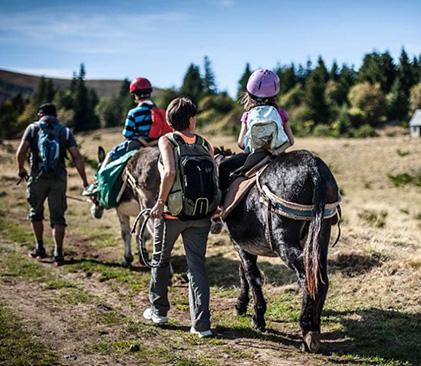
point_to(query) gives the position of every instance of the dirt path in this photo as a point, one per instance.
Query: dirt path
(71, 327)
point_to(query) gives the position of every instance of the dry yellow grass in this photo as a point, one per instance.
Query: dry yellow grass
(375, 268)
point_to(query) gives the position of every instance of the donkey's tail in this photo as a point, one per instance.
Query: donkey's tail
(312, 248)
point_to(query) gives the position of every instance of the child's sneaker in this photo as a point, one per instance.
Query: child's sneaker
(58, 260)
(201, 334)
(149, 315)
(90, 190)
(38, 253)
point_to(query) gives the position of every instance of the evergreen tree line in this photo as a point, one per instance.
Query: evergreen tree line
(339, 101)
(75, 107)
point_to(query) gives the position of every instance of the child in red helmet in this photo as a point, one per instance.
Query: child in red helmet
(144, 125)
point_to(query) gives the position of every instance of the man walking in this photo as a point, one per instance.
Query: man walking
(48, 142)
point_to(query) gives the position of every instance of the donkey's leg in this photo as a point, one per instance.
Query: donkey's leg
(243, 299)
(254, 279)
(127, 237)
(312, 308)
(292, 255)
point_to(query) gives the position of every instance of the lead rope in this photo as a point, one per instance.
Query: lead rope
(141, 242)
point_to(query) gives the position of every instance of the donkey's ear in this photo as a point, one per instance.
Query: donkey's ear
(101, 154)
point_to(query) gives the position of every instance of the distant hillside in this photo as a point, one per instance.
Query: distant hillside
(13, 83)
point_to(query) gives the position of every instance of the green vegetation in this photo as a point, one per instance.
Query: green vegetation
(405, 178)
(374, 218)
(339, 101)
(18, 347)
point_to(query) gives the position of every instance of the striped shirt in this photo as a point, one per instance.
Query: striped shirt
(139, 121)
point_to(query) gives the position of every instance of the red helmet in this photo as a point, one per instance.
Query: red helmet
(141, 85)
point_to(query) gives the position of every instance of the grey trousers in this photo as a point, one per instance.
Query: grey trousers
(195, 235)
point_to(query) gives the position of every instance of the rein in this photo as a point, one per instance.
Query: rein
(142, 242)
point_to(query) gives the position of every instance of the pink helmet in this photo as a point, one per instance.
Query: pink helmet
(263, 83)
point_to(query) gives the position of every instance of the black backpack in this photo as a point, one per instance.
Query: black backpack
(195, 193)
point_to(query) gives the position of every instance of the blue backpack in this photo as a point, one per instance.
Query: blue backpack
(49, 149)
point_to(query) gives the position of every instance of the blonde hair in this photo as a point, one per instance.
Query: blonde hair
(248, 102)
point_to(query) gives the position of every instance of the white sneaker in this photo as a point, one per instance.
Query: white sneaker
(149, 315)
(203, 334)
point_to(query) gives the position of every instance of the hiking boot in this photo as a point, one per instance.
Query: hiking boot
(149, 315)
(38, 253)
(58, 260)
(90, 190)
(201, 334)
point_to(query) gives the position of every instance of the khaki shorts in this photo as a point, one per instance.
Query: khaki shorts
(53, 189)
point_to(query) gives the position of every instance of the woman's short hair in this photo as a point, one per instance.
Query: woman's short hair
(179, 112)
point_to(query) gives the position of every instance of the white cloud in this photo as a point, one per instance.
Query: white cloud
(225, 3)
(47, 72)
(85, 32)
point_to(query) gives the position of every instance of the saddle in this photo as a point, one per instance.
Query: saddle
(243, 179)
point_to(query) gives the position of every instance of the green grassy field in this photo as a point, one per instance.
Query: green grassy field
(89, 311)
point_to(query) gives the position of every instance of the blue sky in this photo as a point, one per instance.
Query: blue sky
(159, 39)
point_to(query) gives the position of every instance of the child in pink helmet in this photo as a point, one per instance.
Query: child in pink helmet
(262, 89)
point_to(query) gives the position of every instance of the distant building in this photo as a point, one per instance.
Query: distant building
(415, 124)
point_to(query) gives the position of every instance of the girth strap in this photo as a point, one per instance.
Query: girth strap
(293, 210)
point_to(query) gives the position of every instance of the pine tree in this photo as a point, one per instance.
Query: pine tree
(370, 69)
(209, 84)
(405, 75)
(84, 117)
(192, 84)
(125, 100)
(9, 114)
(242, 83)
(397, 102)
(49, 91)
(388, 70)
(287, 77)
(334, 72)
(315, 94)
(347, 78)
(39, 96)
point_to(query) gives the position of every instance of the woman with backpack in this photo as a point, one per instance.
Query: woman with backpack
(188, 194)
(261, 116)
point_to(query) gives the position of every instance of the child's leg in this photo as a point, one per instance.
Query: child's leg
(228, 166)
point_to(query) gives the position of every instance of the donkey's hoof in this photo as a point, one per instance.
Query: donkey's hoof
(311, 342)
(126, 263)
(259, 324)
(240, 310)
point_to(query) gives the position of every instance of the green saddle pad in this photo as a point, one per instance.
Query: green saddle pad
(109, 180)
